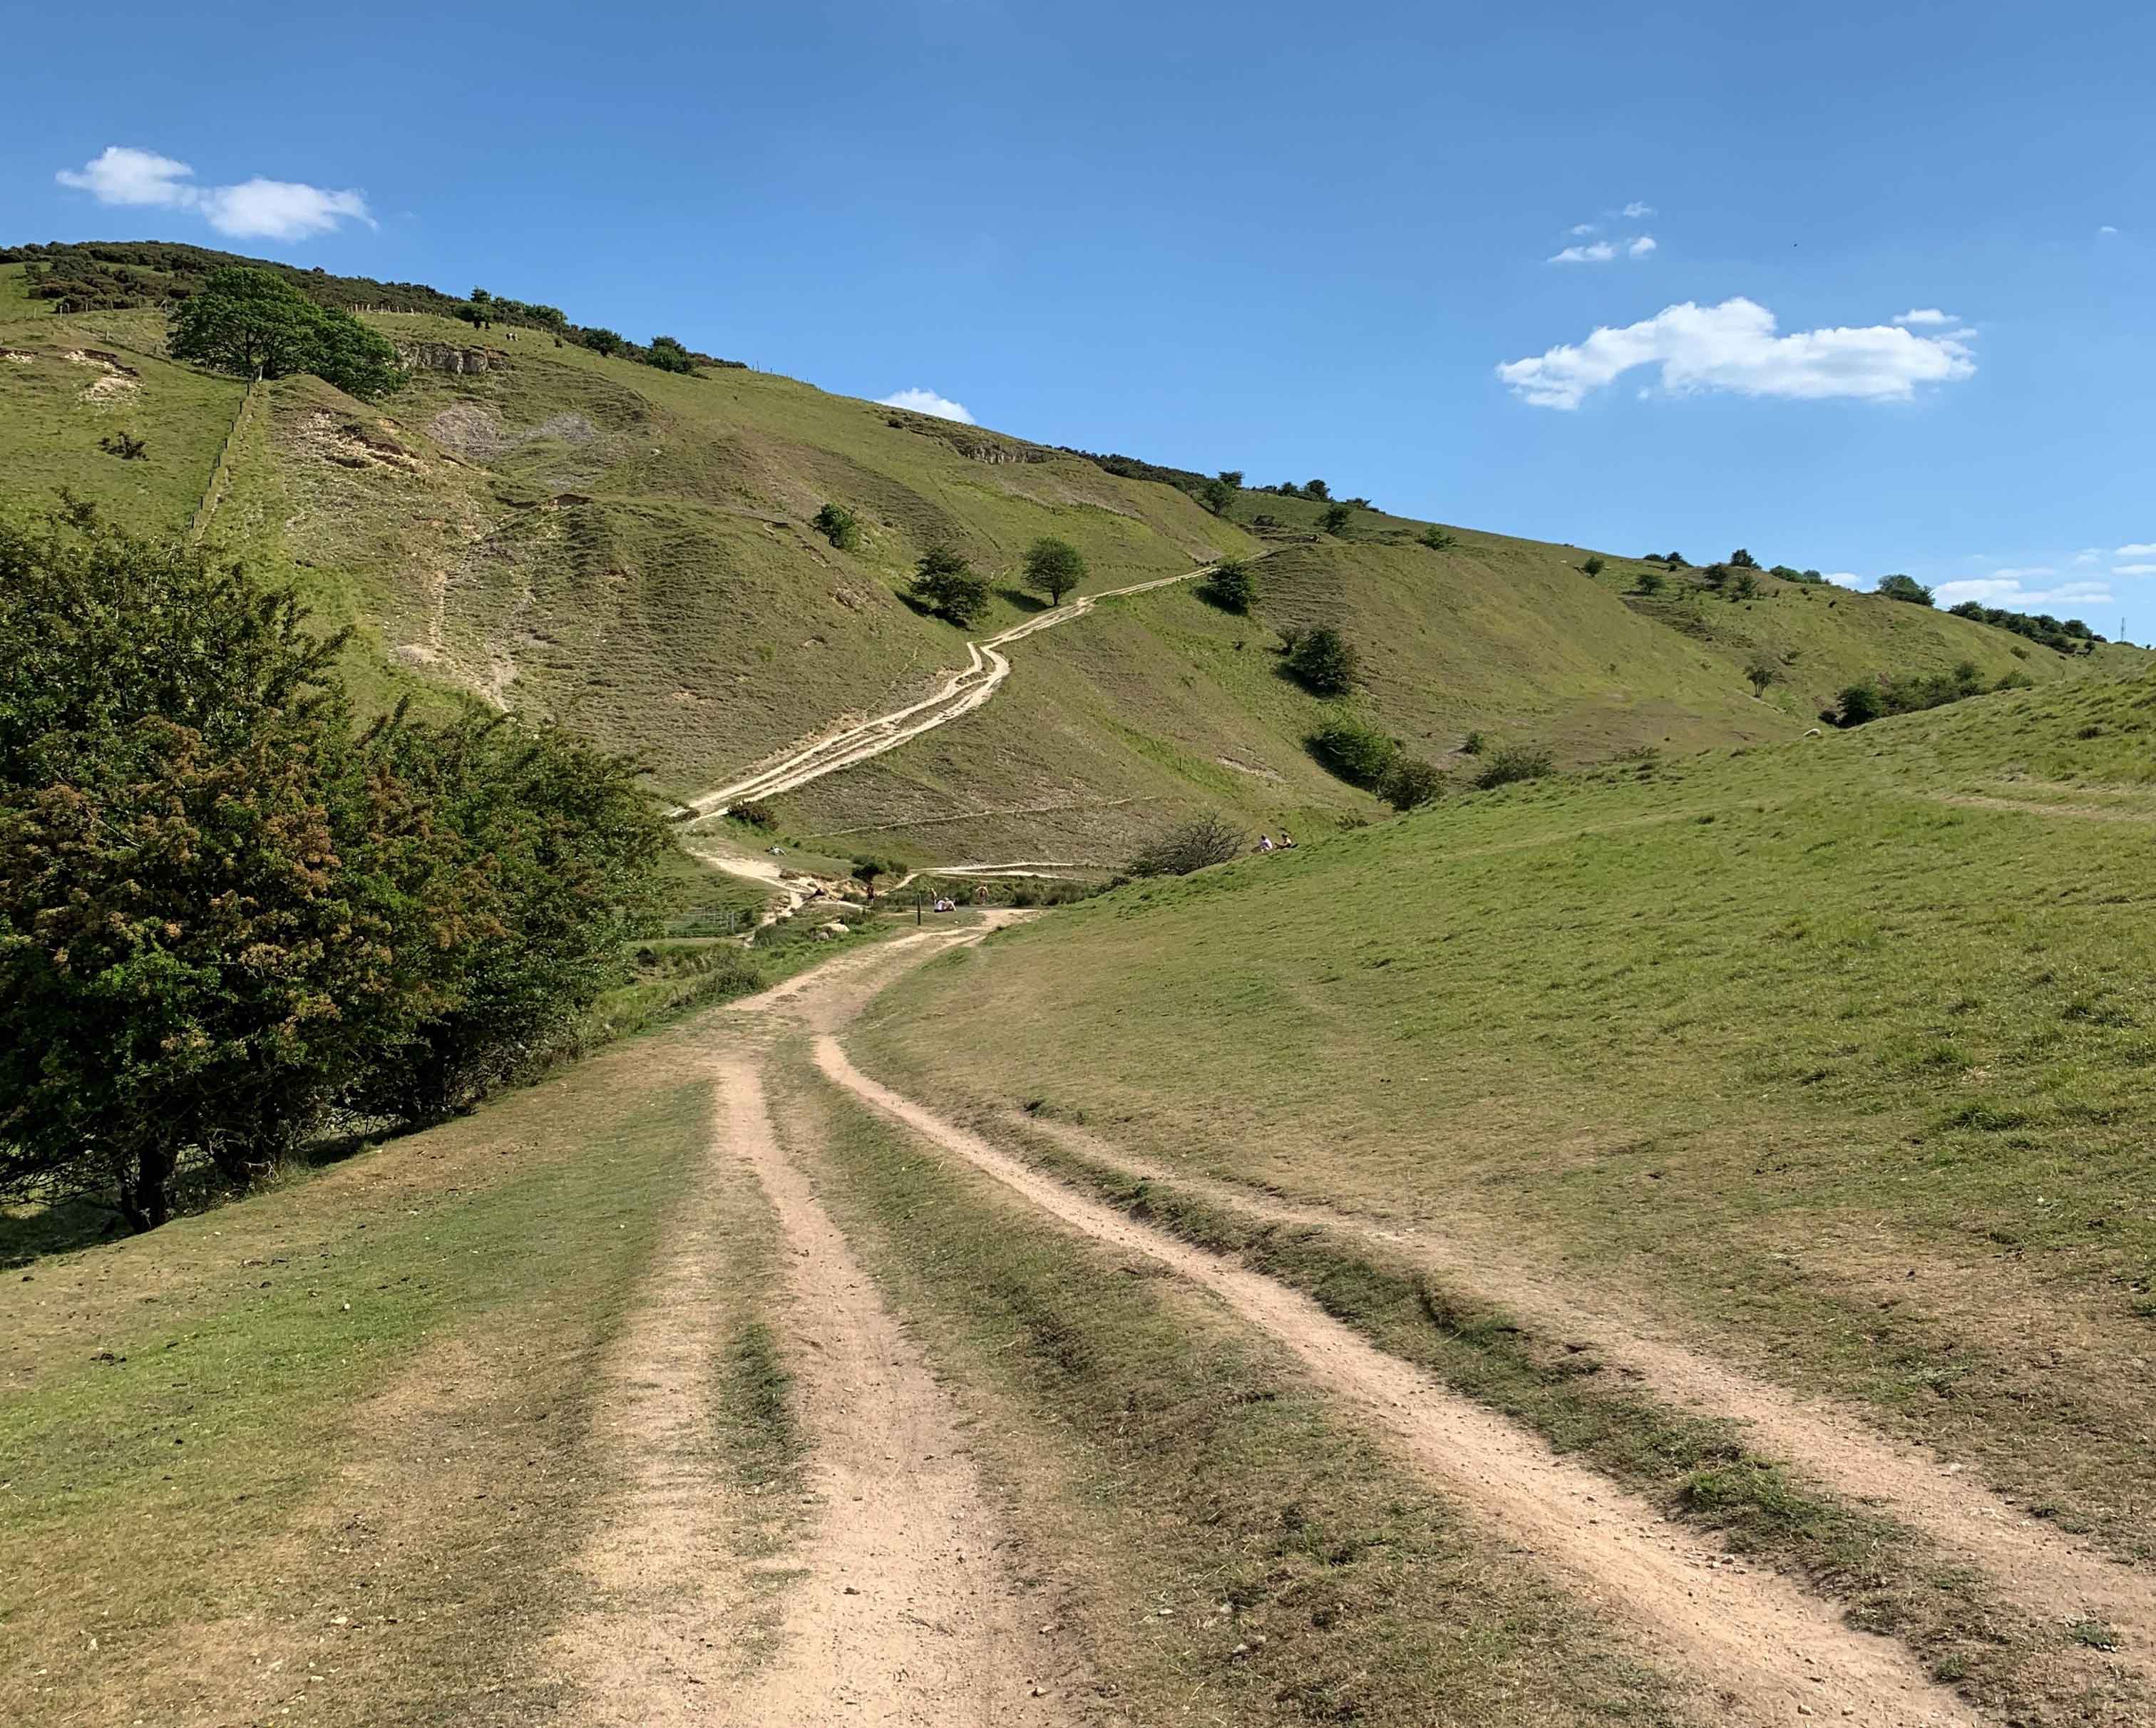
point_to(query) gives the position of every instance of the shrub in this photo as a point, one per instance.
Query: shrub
(669, 355)
(1233, 585)
(1359, 754)
(840, 526)
(1437, 540)
(1054, 567)
(1317, 489)
(253, 322)
(1472, 744)
(1858, 703)
(1412, 783)
(1209, 840)
(1742, 560)
(602, 340)
(1763, 670)
(126, 446)
(944, 582)
(1325, 661)
(223, 909)
(1903, 587)
(1335, 518)
(756, 812)
(870, 868)
(1652, 581)
(1593, 566)
(1744, 586)
(1515, 762)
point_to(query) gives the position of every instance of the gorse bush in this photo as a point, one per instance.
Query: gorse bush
(840, 526)
(1233, 586)
(1514, 762)
(225, 909)
(1324, 660)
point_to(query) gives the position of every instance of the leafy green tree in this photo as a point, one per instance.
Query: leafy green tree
(1903, 587)
(669, 355)
(1217, 496)
(1054, 567)
(602, 340)
(840, 526)
(1232, 478)
(1763, 670)
(1593, 566)
(869, 868)
(1325, 661)
(1742, 560)
(1437, 540)
(1859, 704)
(1650, 582)
(1335, 518)
(1316, 489)
(1233, 585)
(944, 583)
(249, 321)
(1358, 753)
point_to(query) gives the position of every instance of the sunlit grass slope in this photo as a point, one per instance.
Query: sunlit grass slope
(1846, 1046)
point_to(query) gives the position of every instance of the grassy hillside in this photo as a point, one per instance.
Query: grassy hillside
(1839, 1052)
(629, 551)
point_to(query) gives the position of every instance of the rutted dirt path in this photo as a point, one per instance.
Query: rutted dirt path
(849, 744)
(1766, 1649)
(905, 1612)
(2035, 1565)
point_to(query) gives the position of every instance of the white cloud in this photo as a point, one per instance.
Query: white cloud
(1844, 578)
(1635, 210)
(1733, 346)
(2012, 575)
(2087, 555)
(2134, 570)
(1601, 252)
(2107, 230)
(2005, 590)
(1640, 248)
(1926, 316)
(2139, 549)
(271, 209)
(927, 402)
(1580, 230)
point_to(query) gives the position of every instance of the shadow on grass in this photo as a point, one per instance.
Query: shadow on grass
(31, 1234)
(1024, 601)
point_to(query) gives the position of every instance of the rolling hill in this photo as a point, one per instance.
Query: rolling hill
(542, 527)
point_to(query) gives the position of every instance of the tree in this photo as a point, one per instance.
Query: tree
(1209, 839)
(669, 355)
(1593, 566)
(1903, 587)
(868, 869)
(1650, 582)
(1316, 489)
(1859, 703)
(1232, 477)
(1325, 661)
(1437, 540)
(1335, 518)
(1742, 560)
(1762, 669)
(1054, 567)
(1233, 586)
(1675, 561)
(944, 582)
(602, 340)
(255, 323)
(1288, 488)
(1358, 753)
(840, 526)
(1217, 496)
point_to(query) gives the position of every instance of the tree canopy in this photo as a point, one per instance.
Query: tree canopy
(251, 322)
(225, 909)
(945, 583)
(1054, 567)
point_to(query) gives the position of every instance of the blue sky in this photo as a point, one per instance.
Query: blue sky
(1296, 241)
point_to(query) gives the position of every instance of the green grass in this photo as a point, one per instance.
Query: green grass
(1234, 1549)
(1840, 1051)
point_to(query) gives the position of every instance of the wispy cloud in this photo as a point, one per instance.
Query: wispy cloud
(1640, 247)
(1635, 210)
(1734, 346)
(2007, 588)
(2138, 549)
(256, 208)
(1926, 317)
(927, 402)
(1580, 230)
(2022, 573)
(1601, 252)
(2134, 570)
(2107, 230)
